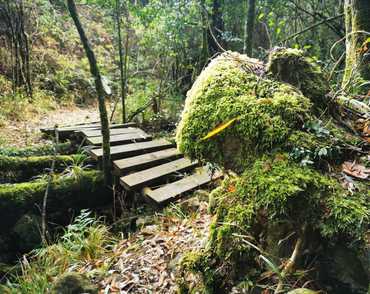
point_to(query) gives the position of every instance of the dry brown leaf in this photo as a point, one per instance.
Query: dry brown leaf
(355, 170)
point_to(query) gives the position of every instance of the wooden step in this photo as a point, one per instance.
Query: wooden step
(120, 139)
(141, 162)
(133, 149)
(119, 131)
(148, 176)
(70, 130)
(174, 190)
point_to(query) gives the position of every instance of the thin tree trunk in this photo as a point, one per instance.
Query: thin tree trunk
(204, 53)
(99, 89)
(120, 52)
(126, 56)
(357, 15)
(217, 28)
(249, 28)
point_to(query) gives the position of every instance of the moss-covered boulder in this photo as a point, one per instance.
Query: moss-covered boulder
(293, 67)
(260, 113)
(73, 283)
(282, 200)
(27, 232)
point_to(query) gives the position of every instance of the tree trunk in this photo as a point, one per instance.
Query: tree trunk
(120, 52)
(249, 28)
(204, 54)
(217, 28)
(357, 15)
(99, 89)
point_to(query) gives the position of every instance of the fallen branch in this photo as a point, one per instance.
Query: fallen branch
(50, 177)
(311, 27)
(289, 266)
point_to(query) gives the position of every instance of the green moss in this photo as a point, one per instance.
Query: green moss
(273, 192)
(18, 169)
(292, 67)
(266, 111)
(74, 283)
(42, 150)
(83, 190)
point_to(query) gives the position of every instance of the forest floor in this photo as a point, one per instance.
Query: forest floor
(145, 262)
(27, 132)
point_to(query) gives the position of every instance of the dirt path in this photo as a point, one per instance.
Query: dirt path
(20, 134)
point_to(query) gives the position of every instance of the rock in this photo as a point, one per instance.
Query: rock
(261, 113)
(73, 283)
(302, 291)
(344, 269)
(143, 221)
(291, 66)
(28, 233)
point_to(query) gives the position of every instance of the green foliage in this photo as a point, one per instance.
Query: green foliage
(84, 241)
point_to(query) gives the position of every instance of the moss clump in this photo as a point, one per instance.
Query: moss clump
(42, 150)
(73, 283)
(266, 112)
(81, 191)
(272, 193)
(292, 67)
(19, 169)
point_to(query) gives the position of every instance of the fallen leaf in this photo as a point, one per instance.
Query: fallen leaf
(219, 129)
(355, 170)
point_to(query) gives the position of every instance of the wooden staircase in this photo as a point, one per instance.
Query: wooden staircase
(153, 167)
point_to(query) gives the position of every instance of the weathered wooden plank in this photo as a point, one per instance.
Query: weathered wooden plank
(174, 190)
(148, 160)
(148, 176)
(120, 139)
(118, 131)
(69, 130)
(133, 149)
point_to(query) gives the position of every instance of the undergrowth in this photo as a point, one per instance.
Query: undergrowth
(83, 242)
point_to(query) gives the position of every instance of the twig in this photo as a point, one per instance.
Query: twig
(50, 177)
(311, 27)
(290, 263)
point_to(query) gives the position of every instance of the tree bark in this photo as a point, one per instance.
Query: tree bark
(94, 69)
(121, 65)
(357, 15)
(205, 53)
(249, 28)
(217, 27)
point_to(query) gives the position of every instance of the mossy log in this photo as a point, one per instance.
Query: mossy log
(21, 169)
(84, 190)
(66, 148)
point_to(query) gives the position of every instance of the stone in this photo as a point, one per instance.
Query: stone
(28, 232)
(73, 283)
